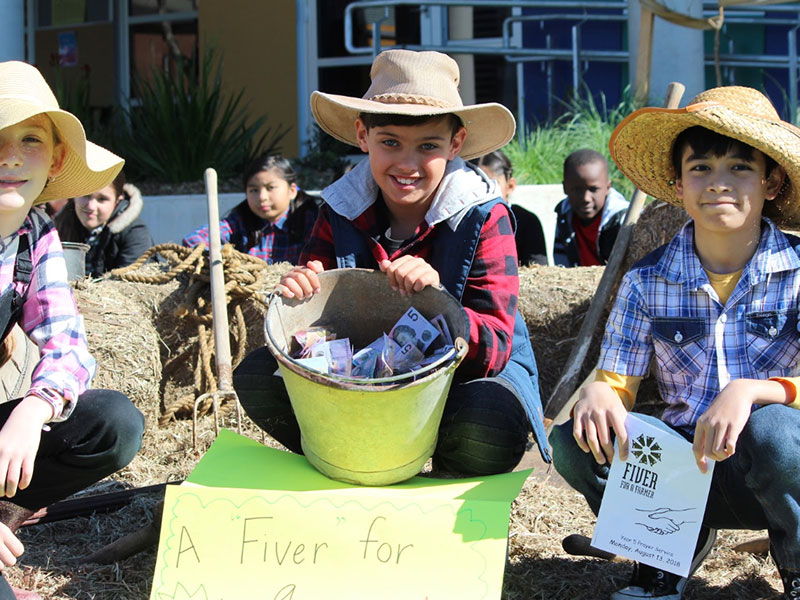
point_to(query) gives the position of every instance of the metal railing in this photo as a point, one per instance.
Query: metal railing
(509, 46)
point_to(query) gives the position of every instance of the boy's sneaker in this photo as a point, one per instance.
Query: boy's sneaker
(652, 582)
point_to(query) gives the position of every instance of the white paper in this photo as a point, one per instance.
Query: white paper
(654, 502)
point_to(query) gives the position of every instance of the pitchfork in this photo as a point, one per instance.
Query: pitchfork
(219, 317)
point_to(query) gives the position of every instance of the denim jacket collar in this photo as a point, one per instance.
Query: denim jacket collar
(462, 187)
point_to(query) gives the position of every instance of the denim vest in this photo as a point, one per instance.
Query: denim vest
(452, 258)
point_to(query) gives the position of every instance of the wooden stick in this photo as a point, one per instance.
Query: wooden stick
(569, 378)
(644, 55)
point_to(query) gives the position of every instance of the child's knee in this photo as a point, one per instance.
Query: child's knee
(565, 450)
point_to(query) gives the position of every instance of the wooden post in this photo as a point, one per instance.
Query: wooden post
(644, 55)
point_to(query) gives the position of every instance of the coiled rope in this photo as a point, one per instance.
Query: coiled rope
(244, 281)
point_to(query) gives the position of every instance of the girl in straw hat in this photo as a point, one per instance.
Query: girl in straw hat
(416, 210)
(44, 455)
(716, 308)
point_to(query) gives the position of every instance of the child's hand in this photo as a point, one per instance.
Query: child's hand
(10, 547)
(301, 282)
(409, 274)
(19, 441)
(597, 412)
(718, 429)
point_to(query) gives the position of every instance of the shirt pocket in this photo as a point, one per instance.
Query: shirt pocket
(772, 339)
(680, 347)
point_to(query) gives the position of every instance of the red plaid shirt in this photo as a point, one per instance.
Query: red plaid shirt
(492, 288)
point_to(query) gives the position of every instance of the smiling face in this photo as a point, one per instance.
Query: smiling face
(28, 156)
(269, 195)
(95, 209)
(726, 193)
(586, 187)
(408, 161)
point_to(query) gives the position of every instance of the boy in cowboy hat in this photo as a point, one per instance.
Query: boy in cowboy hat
(717, 310)
(419, 212)
(60, 437)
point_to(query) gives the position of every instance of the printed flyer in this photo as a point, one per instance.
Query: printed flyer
(654, 502)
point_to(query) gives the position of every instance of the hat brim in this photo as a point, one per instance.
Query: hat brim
(642, 143)
(87, 167)
(489, 126)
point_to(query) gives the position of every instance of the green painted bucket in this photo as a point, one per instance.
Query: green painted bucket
(365, 431)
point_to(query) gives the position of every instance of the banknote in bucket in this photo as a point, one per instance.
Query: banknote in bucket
(338, 353)
(413, 328)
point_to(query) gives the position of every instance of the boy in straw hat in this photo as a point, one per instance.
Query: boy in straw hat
(717, 309)
(44, 455)
(419, 212)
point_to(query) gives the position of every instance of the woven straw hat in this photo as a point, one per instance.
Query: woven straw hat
(87, 167)
(416, 83)
(641, 145)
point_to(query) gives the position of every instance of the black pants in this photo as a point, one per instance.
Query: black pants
(102, 435)
(484, 428)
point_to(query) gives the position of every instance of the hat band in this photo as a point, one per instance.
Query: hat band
(411, 99)
(25, 97)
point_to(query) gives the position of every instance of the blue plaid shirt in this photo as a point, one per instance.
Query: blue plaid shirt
(666, 309)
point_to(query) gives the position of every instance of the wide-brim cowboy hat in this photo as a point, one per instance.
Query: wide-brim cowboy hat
(642, 143)
(417, 84)
(87, 167)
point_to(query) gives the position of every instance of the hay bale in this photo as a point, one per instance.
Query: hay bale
(553, 301)
(122, 338)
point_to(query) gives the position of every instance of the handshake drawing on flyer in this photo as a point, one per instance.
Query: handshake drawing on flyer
(411, 344)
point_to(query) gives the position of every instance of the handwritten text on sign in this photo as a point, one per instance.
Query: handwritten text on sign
(225, 544)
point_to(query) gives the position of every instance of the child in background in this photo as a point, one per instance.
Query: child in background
(590, 217)
(716, 308)
(531, 248)
(60, 437)
(422, 215)
(108, 221)
(275, 220)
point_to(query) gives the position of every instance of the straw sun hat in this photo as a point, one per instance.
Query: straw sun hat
(87, 167)
(417, 84)
(641, 145)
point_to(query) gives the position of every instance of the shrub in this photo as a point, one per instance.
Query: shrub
(185, 123)
(584, 124)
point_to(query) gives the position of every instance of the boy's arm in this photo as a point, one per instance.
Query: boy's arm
(718, 428)
(320, 245)
(624, 359)
(318, 254)
(491, 295)
(50, 318)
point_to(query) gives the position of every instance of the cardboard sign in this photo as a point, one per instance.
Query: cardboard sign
(654, 502)
(255, 522)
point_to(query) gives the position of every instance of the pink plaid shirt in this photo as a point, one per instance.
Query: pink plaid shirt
(50, 317)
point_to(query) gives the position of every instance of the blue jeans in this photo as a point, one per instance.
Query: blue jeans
(756, 488)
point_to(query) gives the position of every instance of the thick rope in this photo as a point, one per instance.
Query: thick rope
(242, 283)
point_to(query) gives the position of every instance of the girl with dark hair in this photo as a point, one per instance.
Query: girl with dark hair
(275, 219)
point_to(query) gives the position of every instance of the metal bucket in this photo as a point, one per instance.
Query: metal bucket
(75, 256)
(365, 431)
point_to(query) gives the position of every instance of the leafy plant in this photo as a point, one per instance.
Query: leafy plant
(584, 124)
(324, 162)
(186, 123)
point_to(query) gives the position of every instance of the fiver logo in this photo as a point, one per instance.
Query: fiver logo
(646, 450)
